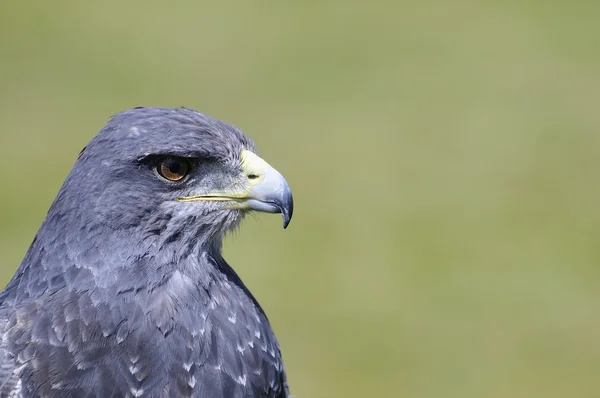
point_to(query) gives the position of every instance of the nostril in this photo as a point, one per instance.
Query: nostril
(252, 176)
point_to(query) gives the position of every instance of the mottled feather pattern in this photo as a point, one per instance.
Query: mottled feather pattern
(140, 305)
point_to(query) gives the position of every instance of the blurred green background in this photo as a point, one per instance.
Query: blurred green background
(444, 158)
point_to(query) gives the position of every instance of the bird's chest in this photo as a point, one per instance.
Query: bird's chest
(220, 341)
(209, 347)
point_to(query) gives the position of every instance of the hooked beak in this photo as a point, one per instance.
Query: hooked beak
(272, 194)
(266, 189)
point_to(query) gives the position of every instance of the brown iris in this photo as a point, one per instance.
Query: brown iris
(173, 168)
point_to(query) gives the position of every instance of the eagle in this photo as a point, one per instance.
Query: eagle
(124, 291)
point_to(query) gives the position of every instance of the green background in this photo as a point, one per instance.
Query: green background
(444, 158)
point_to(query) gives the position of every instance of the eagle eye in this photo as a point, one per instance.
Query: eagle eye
(173, 168)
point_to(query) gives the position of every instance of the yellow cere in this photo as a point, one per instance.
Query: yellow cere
(253, 165)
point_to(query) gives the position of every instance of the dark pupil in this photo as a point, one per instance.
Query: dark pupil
(173, 166)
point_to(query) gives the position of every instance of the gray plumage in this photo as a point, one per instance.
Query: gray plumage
(124, 292)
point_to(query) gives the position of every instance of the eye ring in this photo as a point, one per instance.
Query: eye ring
(173, 168)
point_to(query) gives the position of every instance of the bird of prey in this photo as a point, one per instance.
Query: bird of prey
(124, 291)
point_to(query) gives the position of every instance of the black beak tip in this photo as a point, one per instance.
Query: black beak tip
(287, 210)
(286, 221)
